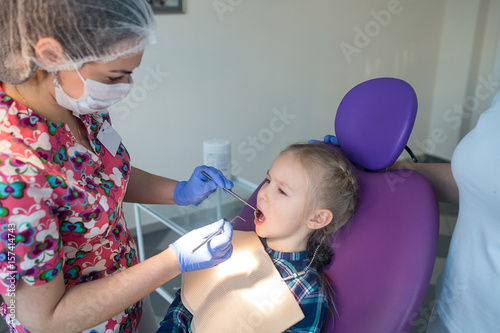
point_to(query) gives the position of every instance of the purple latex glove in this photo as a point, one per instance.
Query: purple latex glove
(199, 187)
(331, 139)
(327, 139)
(215, 251)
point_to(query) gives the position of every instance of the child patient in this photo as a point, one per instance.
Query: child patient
(309, 194)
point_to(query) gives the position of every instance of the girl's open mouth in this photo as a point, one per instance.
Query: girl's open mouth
(259, 215)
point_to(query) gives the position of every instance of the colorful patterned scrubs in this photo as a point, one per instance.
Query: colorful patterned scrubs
(61, 208)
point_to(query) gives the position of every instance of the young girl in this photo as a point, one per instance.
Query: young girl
(309, 194)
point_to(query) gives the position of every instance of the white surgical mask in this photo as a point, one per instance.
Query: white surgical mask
(96, 97)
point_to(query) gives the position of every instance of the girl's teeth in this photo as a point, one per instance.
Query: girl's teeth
(258, 215)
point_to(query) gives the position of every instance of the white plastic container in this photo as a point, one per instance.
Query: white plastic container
(217, 153)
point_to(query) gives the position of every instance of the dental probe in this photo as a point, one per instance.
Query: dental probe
(215, 233)
(231, 192)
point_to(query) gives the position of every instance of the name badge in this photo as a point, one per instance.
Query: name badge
(109, 138)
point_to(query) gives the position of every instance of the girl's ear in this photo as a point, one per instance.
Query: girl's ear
(49, 52)
(320, 219)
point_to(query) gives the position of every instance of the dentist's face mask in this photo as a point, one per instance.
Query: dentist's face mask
(96, 97)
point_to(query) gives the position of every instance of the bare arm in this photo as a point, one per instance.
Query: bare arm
(145, 187)
(51, 308)
(439, 174)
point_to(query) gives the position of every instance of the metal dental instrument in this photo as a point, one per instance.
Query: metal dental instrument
(231, 192)
(215, 233)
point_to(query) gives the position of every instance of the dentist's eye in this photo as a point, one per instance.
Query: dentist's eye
(115, 79)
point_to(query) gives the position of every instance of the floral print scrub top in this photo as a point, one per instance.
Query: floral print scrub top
(60, 208)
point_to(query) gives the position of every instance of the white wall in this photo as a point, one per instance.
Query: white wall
(264, 74)
(466, 81)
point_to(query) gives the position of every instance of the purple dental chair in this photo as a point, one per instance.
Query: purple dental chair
(384, 259)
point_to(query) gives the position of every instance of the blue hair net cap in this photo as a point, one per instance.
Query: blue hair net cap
(87, 30)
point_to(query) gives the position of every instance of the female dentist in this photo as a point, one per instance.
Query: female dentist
(69, 263)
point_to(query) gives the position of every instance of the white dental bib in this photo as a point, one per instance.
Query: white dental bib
(243, 294)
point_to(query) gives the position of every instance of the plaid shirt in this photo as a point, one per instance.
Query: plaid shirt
(313, 300)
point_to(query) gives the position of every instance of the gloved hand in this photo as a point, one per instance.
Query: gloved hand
(328, 139)
(210, 254)
(199, 187)
(331, 139)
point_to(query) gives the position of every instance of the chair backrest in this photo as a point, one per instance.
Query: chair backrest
(384, 258)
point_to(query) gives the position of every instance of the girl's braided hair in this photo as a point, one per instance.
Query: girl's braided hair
(331, 184)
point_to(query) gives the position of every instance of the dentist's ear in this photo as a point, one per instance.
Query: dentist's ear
(320, 219)
(49, 52)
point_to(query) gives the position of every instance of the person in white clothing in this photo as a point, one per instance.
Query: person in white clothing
(468, 289)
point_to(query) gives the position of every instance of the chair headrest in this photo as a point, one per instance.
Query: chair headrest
(374, 121)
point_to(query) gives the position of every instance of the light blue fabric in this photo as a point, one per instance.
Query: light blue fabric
(436, 323)
(468, 290)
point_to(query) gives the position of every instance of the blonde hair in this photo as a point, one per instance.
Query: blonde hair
(331, 185)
